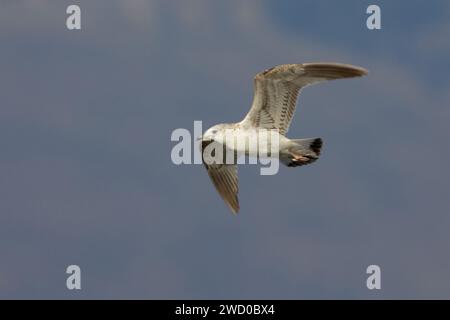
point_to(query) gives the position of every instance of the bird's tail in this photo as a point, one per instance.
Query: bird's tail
(302, 152)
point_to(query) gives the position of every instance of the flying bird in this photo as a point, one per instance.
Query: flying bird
(275, 97)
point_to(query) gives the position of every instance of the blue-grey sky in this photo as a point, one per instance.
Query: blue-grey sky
(86, 176)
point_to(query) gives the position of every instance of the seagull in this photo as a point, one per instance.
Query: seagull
(274, 101)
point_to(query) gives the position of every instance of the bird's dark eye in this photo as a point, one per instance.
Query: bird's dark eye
(214, 131)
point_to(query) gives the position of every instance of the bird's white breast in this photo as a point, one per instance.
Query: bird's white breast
(253, 142)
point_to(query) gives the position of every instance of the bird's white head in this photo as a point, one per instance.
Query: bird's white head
(212, 133)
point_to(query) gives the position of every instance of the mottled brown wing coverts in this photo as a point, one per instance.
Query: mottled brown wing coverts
(276, 91)
(225, 180)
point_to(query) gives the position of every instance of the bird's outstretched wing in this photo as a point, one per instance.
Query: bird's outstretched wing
(225, 180)
(276, 91)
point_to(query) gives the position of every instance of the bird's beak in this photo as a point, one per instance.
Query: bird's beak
(204, 139)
